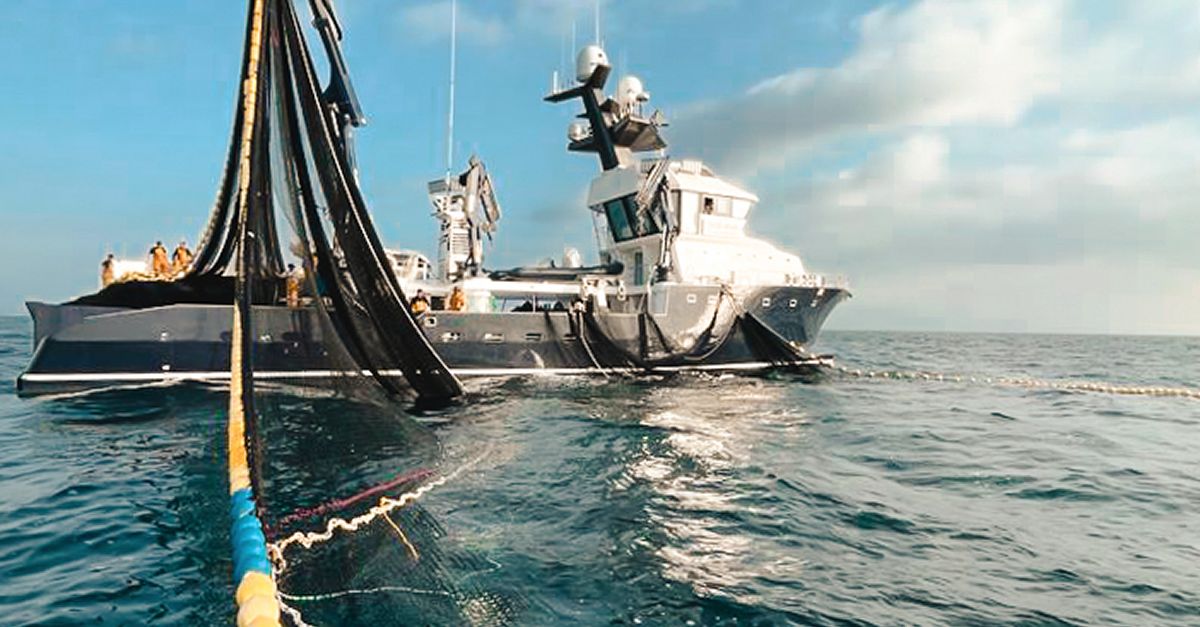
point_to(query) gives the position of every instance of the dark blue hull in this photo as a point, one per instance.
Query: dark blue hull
(80, 347)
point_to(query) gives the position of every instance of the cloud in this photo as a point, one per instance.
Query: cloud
(990, 164)
(937, 63)
(1148, 53)
(924, 225)
(431, 22)
(1121, 193)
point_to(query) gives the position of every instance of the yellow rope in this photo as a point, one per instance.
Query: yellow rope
(412, 550)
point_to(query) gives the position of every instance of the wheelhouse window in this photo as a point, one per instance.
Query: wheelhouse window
(639, 269)
(618, 220)
(626, 222)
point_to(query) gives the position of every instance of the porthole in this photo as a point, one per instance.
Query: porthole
(712, 299)
(451, 336)
(792, 303)
(493, 337)
(533, 337)
(691, 299)
(766, 302)
(430, 321)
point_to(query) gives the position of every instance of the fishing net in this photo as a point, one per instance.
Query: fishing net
(327, 465)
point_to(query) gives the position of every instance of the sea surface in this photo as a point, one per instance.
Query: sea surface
(829, 500)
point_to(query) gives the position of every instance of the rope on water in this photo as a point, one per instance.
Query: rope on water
(356, 592)
(1026, 382)
(325, 508)
(385, 506)
(297, 618)
(412, 550)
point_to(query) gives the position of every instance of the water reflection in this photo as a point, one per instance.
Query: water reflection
(707, 493)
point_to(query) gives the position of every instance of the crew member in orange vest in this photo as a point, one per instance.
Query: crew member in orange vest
(107, 270)
(159, 266)
(182, 257)
(292, 283)
(458, 300)
(420, 303)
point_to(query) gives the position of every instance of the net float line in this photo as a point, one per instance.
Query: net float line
(1026, 382)
(256, 592)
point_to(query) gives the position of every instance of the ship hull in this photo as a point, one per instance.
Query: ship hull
(81, 347)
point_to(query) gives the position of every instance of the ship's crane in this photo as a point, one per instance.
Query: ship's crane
(339, 93)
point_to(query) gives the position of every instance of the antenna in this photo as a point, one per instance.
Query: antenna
(453, 68)
(598, 23)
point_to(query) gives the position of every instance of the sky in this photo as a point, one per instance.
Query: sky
(982, 165)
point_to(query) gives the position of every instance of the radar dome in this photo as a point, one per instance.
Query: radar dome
(577, 131)
(630, 91)
(590, 58)
(572, 258)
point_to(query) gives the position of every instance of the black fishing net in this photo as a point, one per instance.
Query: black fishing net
(338, 463)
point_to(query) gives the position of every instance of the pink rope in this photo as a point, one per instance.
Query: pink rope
(320, 510)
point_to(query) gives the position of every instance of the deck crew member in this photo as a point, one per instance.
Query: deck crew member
(159, 266)
(182, 257)
(420, 303)
(292, 283)
(108, 270)
(458, 300)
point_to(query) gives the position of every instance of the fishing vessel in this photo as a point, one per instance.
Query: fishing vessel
(678, 283)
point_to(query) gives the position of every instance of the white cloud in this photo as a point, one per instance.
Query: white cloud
(1013, 165)
(1147, 52)
(938, 63)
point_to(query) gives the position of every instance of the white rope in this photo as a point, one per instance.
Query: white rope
(307, 540)
(385, 506)
(297, 618)
(356, 592)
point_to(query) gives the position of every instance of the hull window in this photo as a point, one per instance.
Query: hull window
(493, 337)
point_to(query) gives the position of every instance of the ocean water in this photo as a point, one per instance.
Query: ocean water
(691, 500)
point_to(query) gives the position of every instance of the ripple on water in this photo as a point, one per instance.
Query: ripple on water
(687, 500)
